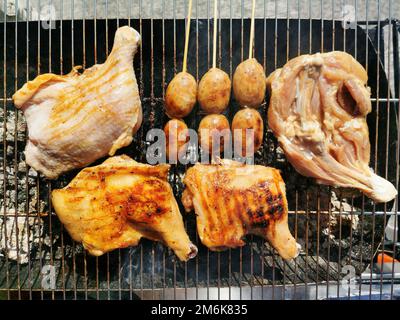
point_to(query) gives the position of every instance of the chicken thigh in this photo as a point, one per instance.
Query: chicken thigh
(232, 200)
(318, 110)
(114, 204)
(76, 119)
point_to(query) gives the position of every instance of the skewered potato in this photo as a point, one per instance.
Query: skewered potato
(212, 128)
(214, 91)
(247, 119)
(176, 136)
(181, 95)
(249, 83)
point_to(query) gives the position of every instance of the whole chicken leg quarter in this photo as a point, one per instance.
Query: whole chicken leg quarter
(115, 204)
(318, 109)
(232, 199)
(75, 119)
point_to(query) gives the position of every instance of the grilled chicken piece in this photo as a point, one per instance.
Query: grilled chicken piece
(318, 110)
(114, 204)
(232, 200)
(76, 119)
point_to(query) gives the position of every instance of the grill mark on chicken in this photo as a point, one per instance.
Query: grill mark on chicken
(93, 84)
(317, 111)
(232, 219)
(221, 219)
(59, 132)
(92, 76)
(75, 103)
(233, 200)
(106, 108)
(242, 204)
(227, 202)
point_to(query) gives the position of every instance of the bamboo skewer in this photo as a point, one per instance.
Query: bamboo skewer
(184, 67)
(253, 9)
(214, 61)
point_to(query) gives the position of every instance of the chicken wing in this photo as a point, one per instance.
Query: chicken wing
(232, 200)
(114, 204)
(318, 110)
(76, 119)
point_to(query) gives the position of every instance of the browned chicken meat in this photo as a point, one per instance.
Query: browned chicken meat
(114, 204)
(318, 110)
(232, 200)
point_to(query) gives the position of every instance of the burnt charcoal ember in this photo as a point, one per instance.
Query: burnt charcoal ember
(20, 233)
(18, 236)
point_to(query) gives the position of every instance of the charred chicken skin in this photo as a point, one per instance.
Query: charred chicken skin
(318, 110)
(115, 204)
(232, 200)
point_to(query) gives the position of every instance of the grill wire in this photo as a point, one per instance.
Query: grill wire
(34, 245)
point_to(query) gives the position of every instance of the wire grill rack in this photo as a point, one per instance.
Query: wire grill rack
(340, 231)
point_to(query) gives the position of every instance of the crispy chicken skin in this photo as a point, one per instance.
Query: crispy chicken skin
(75, 119)
(114, 204)
(232, 200)
(318, 110)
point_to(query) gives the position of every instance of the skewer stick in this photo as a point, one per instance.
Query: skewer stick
(252, 30)
(187, 37)
(214, 63)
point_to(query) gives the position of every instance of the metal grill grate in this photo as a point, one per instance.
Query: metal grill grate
(338, 230)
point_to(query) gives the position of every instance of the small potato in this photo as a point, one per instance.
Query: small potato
(176, 135)
(181, 95)
(249, 83)
(214, 91)
(214, 128)
(247, 119)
